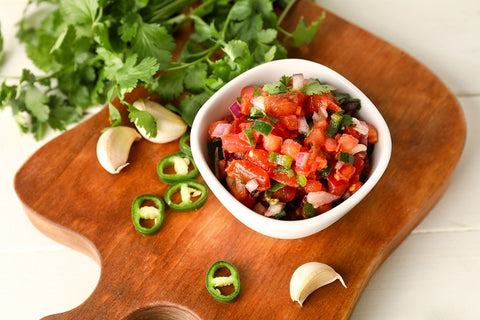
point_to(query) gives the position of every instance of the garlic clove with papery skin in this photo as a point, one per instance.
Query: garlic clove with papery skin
(113, 147)
(170, 126)
(309, 277)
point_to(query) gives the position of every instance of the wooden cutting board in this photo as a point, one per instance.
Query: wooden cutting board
(69, 197)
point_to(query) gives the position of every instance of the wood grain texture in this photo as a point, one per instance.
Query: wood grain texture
(69, 197)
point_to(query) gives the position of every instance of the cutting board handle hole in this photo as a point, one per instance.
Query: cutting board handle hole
(165, 312)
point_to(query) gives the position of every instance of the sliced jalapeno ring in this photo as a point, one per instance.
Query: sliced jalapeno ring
(141, 213)
(184, 144)
(183, 166)
(214, 282)
(187, 190)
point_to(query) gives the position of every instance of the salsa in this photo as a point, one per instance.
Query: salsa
(292, 149)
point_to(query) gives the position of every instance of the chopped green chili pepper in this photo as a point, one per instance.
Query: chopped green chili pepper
(188, 189)
(346, 157)
(181, 164)
(214, 282)
(325, 171)
(301, 179)
(335, 124)
(288, 171)
(281, 159)
(249, 133)
(308, 210)
(256, 113)
(184, 144)
(154, 213)
(263, 127)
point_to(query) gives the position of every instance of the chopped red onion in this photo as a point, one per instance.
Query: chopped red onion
(274, 209)
(251, 185)
(320, 198)
(297, 81)
(259, 102)
(339, 165)
(359, 148)
(221, 129)
(235, 109)
(303, 127)
(302, 158)
(360, 126)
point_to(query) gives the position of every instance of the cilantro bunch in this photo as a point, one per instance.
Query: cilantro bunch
(92, 50)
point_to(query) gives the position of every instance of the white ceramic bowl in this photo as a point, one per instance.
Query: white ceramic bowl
(217, 107)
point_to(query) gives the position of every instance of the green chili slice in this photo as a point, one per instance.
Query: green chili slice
(184, 144)
(181, 164)
(346, 157)
(214, 282)
(335, 124)
(142, 213)
(249, 133)
(188, 190)
(281, 159)
(263, 127)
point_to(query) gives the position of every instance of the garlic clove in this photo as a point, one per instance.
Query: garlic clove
(309, 277)
(170, 126)
(113, 147)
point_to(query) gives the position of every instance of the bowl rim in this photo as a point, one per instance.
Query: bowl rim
(288, 229)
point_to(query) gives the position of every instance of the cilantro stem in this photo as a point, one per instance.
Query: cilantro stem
(285, 11)
(184, 65)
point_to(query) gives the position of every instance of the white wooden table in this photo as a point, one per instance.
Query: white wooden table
(433, 274)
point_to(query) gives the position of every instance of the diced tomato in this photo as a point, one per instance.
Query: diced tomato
(289, 122)
(247, 94)
(354, 186)
(372, 134)
(347, 142)
(345, 172)
(238, 190)
(236, 187)
(284, 104)
(272, 143)
(359, 165)
(313, 186)
(351, 131)
(331, 145)
(316, 137)
(233, 143)
(259, 157)
(285, 194)
(335, 186)
(317, 101)
(286, 177)
(291, 148)
(246, 171)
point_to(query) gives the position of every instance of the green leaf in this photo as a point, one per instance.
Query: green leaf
(315, 87)
(170, 86)
(190, 105)
(79, 11)
(154, 41)
(115, 118)
(236, 49)
(36, 102)
(195, 77)
(267, 35)
(241, 10)
(143, 119)
(278, 87)
(130, 25)
(305, 34)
